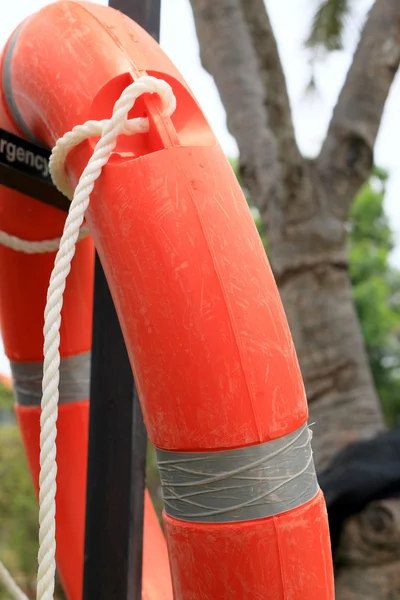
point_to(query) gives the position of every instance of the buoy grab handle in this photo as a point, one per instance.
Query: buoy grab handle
(187, 126)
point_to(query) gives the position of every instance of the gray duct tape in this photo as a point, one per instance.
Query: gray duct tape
(7, 87)
(239, 485)
(74, 380)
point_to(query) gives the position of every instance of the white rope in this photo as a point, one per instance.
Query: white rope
(10, 585)
(35, 247)
(56, 165)
(75, 137)
(109, 130)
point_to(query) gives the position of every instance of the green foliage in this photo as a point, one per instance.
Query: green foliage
(328, 25)
(376, 287)
(235, 168)
(6, 399)
(234, 162)
(18, 511)
(261, 230)
(18, 505)
(153, 483)
(327, 33)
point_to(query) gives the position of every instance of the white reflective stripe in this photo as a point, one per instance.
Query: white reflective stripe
(239, 485)
(74, 380)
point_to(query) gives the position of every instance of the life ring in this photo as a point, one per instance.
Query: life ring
(24, 279)
(209, 344)
(23, 285)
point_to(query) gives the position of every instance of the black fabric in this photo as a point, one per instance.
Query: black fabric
(363, 472)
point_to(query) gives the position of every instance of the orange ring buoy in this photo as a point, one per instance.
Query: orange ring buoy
(24, 280)
(217, 373)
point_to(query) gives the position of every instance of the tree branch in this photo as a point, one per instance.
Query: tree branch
(346, 156)
(273, 81)
(228, 55)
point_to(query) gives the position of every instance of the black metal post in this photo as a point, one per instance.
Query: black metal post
(117, 437)
(116, 469)
(146, 13)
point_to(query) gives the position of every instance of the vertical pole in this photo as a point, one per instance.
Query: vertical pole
(117, 436)
(116, 468)
(146, 13)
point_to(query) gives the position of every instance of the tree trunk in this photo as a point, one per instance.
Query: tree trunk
(306, 231)
(341, 395)
(304, 204)
(370, 554)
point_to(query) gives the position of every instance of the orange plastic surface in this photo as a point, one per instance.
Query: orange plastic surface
(72, 438)
(203, 322)
(24, 278)
(206, 331)
(286, 557)
(24, 281)
(202, 319)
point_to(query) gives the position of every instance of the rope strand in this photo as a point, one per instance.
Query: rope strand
(39, 247)
(10, 585)
(109, 130)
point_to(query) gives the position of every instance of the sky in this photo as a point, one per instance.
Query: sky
(311, 114)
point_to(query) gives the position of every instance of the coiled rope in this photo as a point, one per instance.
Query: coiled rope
(109, 130)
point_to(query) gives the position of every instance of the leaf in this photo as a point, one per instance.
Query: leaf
(376, 290)
(6, 399)
(328, 25)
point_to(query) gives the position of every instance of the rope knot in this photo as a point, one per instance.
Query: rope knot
(108, 130)
(118, 124)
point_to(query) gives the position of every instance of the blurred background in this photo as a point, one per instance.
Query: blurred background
(311, 126)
